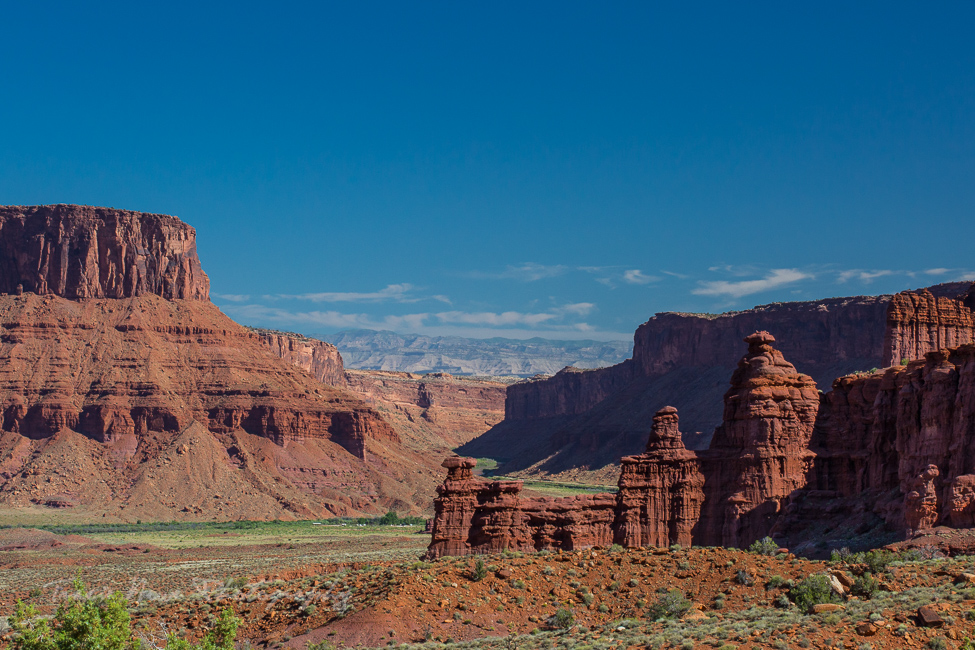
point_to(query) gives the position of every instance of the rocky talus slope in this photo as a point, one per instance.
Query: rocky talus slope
(146, 404)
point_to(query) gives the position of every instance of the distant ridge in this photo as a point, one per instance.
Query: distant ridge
(384, 350)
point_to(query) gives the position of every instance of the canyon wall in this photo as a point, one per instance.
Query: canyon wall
(319, 359)
(114, 363)
(920, 321)
(84, 252)
(578, 423)
(886, 454)
(729, 495)
(434, 412)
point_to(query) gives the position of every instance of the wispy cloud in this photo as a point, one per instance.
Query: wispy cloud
(863, 276)
(556, 318)
(939, 271)
(403, 293)
(636, 276)
(967, 277)
(233, 297)
(775, 278)
(527, 272)
(611, 276)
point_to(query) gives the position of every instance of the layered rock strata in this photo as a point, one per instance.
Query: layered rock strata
(579, 423)
(919, 322)
(729, 495)
(475, 516)
(319, 359)
(126, 393)
(84, 252)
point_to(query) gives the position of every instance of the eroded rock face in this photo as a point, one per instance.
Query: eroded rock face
(919, 322)
(882, 433)
(475, 516)
(730, 495)
(660, 491)
(319, 359)
(78, 251)
(436, 411)
(107, 368)
(759, 456)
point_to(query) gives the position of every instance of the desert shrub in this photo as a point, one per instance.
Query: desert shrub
(548, 571)
(938, 643)
(669, 605)
(743, 578)
(615, 548)
(675, 548)
(634, 582)
(878, 561)
(79, 623)
(775, 582)
(479, 572)
(814, 590)
(614, 586)
(235, 583)
(603, 609)
(83, 623)
(864, 586)
(562, 619)
(764, 546)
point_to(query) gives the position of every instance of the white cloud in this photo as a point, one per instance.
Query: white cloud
(938, 271)
(527, 272)
(863, 276)
(776, 278)
(392, 293)
(233, 297)
(578, 309)
(495, 319)
(518, 325)
(636, 276)
(968, 277)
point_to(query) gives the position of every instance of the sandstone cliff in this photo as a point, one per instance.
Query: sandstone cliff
(922, 321)
(434, 412)
(319, 359)
(84, 252)
(577, 424)
(883, 455)
(729, 495)
(125, 393)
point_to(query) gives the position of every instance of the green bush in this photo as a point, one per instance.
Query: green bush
(83, 623)
(670, 605)
(814, 590)
(764, 546)
(877, 561)
(562, 619)
(479, 572)
(864, 586)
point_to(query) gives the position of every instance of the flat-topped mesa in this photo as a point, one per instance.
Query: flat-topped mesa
(660, 491)
(79, 252)
(919, 322)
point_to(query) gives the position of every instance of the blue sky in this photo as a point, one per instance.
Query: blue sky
(517, 169)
